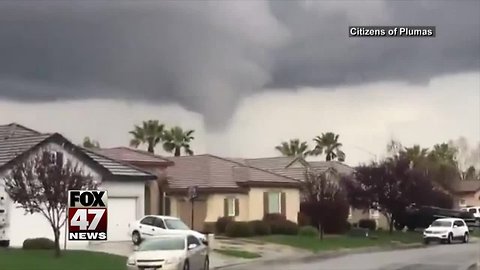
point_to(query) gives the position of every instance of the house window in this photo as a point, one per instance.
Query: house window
(231, 207)
(462, 202)
(274, 203)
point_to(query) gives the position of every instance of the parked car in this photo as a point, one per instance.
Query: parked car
(152, 225)
(423, 216)
(170, 252)
(475, 210)
(446, 230)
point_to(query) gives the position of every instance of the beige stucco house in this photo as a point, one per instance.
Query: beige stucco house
(467, 193)
(226, 187)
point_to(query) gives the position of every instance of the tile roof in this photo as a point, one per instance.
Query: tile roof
(296, 170)
(209, 171)
(115, 167)
(132, 155)
(11, 148)
(13, 130)
(20, 139)
(466, 185)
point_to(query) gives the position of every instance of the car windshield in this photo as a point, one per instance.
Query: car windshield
(473, 211)
(176, 224)
(164, 243)
(441, 223)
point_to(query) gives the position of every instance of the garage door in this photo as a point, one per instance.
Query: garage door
(121, 211)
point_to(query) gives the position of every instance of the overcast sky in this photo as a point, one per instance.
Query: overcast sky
(245, 75)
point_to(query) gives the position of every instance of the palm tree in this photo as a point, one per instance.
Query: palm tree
(470, 174)
(89, 143)
(150, 133)
(293, 148)
(444, 153)
(175, 139)
(328, 144)
(415, 154)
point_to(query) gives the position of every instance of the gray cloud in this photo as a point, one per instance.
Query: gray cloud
(206, 56)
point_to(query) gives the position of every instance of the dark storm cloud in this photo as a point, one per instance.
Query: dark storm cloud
(208, 55)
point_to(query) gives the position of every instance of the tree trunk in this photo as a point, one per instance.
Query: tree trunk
(151, 149)
(177, 151)
(56, 232)
(390, 224)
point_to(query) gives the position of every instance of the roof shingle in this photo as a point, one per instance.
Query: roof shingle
(209, 171)
(132, 155)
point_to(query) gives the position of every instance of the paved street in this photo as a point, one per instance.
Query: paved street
(437, 257)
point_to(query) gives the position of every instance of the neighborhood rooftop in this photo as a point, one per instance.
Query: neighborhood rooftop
(133, 155)
(210, 171)
(16, 139)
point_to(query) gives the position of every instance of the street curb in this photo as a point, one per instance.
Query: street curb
(322, 255)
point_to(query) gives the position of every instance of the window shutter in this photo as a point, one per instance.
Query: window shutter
(265, 203)
(283, 207)
(59, 160)
(46, 157)
(225, 207)
(237, 207)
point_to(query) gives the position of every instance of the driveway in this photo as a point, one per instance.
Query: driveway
(435, 257)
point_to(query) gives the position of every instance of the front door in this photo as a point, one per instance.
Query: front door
(458, 229)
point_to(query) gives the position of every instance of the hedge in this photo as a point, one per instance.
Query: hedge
(38, 243)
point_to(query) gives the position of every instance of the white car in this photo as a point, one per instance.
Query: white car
(170, 252)
(446, 230)
(151, 226)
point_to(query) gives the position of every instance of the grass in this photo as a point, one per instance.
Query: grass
(335, 242)
(238, 253)
(18, 259)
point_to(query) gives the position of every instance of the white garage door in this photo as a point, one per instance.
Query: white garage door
(121, 211)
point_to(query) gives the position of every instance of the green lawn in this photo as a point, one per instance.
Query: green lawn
(238, 253)
(18, 259)
(333, 242)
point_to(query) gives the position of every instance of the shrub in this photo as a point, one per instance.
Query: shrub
(367, 224)
(222, 223)
(284, 227)
(239, 229)
(303, 219)
(333, 211)
(274, 217)
(38, 243)
(260, 227)
(308, 231)
(209, 227)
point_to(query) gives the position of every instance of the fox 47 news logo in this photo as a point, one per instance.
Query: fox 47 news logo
(87, 215)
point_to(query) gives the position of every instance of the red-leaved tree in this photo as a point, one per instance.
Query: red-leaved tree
(40, 185)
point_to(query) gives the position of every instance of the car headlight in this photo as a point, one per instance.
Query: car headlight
(173, 260)
(131, 261)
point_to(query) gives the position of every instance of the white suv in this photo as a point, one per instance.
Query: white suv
(151, 226)
(446, 230)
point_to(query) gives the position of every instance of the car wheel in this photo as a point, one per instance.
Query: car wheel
(186, 266)
(136, 239)
(4, 243)
(449, 239)
(465, 238)
(206, 264)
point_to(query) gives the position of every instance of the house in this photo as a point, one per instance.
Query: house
(297, 171)
(124, 182)
(466, 193)
(156, 201)
(229, 187)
